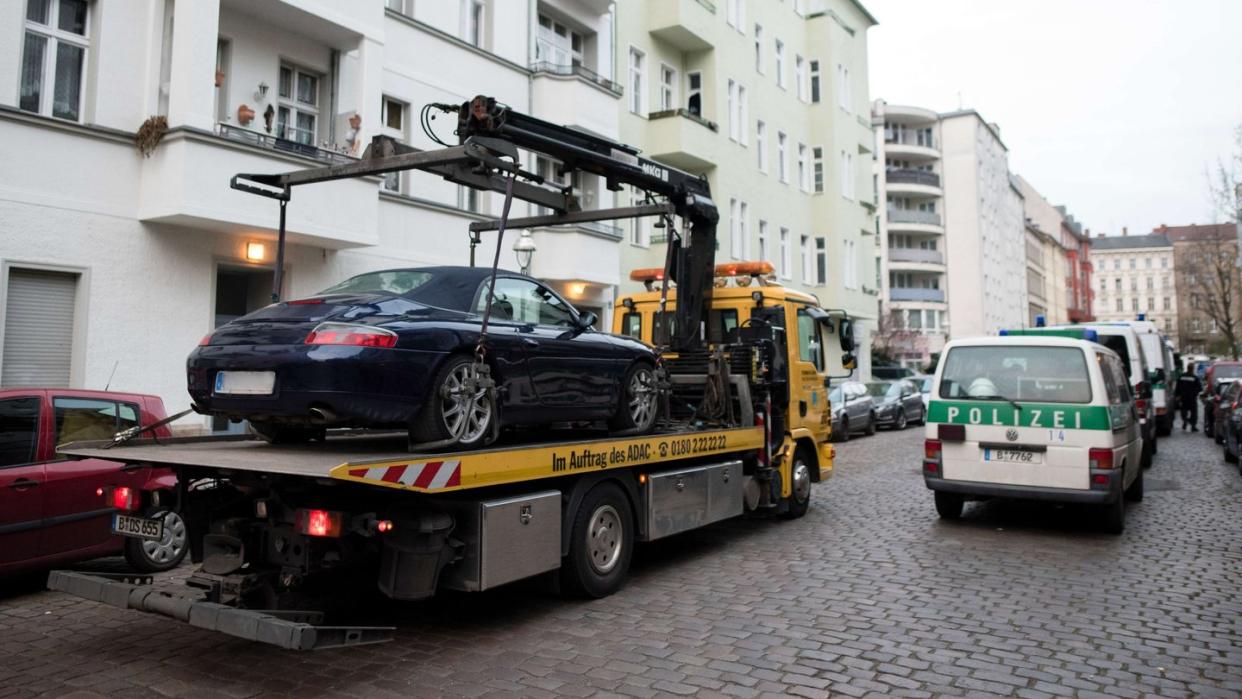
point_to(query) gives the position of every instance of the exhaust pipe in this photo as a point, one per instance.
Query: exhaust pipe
(322, 415)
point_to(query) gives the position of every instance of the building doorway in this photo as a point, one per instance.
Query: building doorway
(239, 290)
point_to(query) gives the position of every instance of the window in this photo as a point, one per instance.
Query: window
(297, 113)
(392, 116)
(405, 7)
(1167, 302)
(1133, 284)
(763, 241)
(557, 44)
(814, 81)
(759, 49)
(843, 87)
(808, 259)
(847, 174)
(761, 145)
(82, 419)
(467, 198)
(1116, 263)
(821, 261)
(735, 14)
(734, 127)
(1147, 262)
(524, 301)
(638, 70)
(800, 77)
(1132, 263)
(809, 339)
(694, 96)
(1134, 304)
(804, 169)
(668, 88)
(1151, 303)
(1017, 372)
(782, 156)
(1117, 283)
(817, 157)
(19, 430)
(735, 230)
(640, 233)
(474, 29)
(743, 115)
(1164, 263)
(39, 324)
(1120, 308)
(54, 58)
(632, 325)
(784, 261)
(744, 225)
(780, 63)
(1151, 283)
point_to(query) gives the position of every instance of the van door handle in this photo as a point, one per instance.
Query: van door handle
(23, 484)
(529, 342)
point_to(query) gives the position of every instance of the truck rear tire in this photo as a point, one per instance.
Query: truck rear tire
(949, 505)
(601, 543)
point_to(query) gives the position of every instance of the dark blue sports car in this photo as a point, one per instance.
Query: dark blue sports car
(396, 348)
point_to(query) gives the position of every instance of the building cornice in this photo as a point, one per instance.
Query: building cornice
(103, 133)
(456, 41)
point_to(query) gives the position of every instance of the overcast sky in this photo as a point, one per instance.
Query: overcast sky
(1114, 108)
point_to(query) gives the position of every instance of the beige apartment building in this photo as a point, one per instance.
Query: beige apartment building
(1047, 284)
(769, 101)
(1135, 276)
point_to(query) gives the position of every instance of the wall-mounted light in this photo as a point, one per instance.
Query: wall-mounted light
(577, 289)
(524, 247)
(256, 251)
(261, 93)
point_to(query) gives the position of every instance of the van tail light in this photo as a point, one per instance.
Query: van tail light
(351, 334)
(1141, 404)
(931, 455)
(319, 523)
(1100, 458)
(123, 498)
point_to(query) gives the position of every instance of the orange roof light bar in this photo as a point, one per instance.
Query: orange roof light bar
(647, 274)
(737, 269)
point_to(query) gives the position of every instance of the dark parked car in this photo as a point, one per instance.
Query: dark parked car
(395, 349)
(852, 410)
(1210, 401)
(897, 403)
(1229, 424)
(1223, 396)
(55, 511)
(891, 372)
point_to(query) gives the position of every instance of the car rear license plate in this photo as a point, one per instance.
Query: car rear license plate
(1013, 456)
(139, 527)
(245, 383)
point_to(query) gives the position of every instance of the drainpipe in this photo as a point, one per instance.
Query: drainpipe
(332, 95)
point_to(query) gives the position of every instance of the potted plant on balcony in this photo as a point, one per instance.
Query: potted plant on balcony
(245, 115)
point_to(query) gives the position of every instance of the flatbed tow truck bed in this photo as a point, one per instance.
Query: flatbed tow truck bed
(381, 459)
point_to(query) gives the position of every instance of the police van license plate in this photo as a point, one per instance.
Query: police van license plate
(245, 383)
(139, 527)
(1013, 456)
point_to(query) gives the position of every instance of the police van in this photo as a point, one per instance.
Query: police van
(1046, 416)
(1162, 371)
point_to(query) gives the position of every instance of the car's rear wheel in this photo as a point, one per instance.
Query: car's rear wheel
(844, 434)
(949, 505)
(457, 409)
(1113, 516)
(159, 555)
(640, 400)
(286, 434)
(871, 420)
(1231, 446)
(1135, 492)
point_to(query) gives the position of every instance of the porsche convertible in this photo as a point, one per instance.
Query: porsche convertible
(396, 349)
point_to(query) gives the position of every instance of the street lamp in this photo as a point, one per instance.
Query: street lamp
(524, 247)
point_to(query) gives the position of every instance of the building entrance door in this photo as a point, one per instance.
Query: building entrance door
(239, 290)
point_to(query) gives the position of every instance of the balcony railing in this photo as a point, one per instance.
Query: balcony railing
(898, 293)
(283, 145)
(916, 255)
(930, 218)
(579, 71)
(909, 140)
(686, 113)
(922, 177)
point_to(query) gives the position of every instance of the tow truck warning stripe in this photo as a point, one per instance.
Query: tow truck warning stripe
(430, 475)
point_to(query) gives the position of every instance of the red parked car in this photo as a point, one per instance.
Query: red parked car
(54, 510)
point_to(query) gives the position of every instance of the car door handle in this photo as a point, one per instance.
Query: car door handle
(22, 484)
(530, 342)
(131, 467)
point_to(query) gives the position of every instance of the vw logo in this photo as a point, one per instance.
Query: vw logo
(1011, 434)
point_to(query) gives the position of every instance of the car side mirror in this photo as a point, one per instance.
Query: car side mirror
(848, 361)
(846, 333)
(587, 320)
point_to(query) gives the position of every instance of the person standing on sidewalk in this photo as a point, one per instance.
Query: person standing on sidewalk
(1188, 389)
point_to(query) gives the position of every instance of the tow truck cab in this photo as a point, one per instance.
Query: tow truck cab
(810, 343)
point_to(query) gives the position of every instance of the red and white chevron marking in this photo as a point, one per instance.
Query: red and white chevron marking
(428, 475)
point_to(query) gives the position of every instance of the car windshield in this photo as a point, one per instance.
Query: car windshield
(882, 389)
(394, 281)
(1017, 372)
(834, 396)
(926, 384)
(1226, 371)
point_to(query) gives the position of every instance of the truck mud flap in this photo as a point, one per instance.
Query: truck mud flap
(291, 630)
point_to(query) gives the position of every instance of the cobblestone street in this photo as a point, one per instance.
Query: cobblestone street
(868, 594)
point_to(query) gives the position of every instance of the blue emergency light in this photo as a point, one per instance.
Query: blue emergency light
(1142, 316)
(1040, 321)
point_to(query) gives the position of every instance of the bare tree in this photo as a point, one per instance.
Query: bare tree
(892, 339)
(1212, 261)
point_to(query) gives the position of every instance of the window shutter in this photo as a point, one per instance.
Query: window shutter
(38, 328)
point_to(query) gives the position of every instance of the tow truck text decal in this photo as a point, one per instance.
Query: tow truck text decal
(669, 447)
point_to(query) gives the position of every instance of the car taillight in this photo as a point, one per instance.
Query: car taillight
(124, 498)
(306, 302)
(350, 334)
(931, 455)
(1100, 458)
(205, 341)
(319, 522)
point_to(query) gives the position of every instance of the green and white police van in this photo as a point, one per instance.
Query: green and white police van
(1046, 416)
(1162, 371)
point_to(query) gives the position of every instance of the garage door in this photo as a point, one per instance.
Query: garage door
(38, 328)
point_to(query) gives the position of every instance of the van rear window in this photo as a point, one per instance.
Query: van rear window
(1015, 372)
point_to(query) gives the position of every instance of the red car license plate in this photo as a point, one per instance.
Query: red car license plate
(139, 527)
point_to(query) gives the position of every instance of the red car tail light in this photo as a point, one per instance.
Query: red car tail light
(931, 455)
(350, 334)
(123, 498)
(306, 302)
(319, 523)
(1100, 458)
(205, 341)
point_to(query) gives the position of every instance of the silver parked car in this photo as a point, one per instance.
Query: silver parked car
(853, 410)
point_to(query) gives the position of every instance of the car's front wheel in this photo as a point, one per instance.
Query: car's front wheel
(640, 400)
(159, 555)
(901, 422)
(1231, 449)
(458, 409)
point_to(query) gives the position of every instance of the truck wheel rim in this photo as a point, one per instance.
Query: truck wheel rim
(605, 536)
(801, 481)
(642, 398)
(467, 413)
(169, 546)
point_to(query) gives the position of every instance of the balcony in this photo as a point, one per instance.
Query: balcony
(683, 140)
(582, 252)
(897, 293)
(684, 24)
(575, 96)
(916, 256)
(912, 182)
(909, 146)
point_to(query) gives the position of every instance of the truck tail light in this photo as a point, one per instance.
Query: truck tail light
(931, 455)
(123, 498)
(351, 334)
(1100, 458)
(319, 523)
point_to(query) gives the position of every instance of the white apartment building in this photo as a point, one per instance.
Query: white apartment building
(912, 243)
(1134, 275)
(155, 251)
(767, 99)
(1048, 288)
